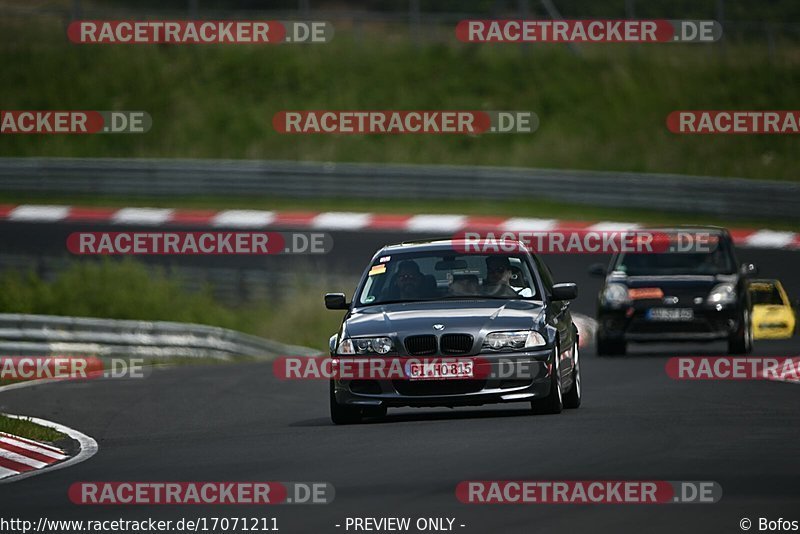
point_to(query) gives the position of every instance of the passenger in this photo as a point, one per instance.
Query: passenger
(498, 275)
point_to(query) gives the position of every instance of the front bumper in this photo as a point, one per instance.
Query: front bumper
(631, 323)
(504, 377)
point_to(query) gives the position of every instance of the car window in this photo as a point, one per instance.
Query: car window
(717, 261)
(445, 275)
(765, 294)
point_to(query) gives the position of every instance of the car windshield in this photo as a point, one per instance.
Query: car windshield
(446, 275)
(717, 261)
(765, 294)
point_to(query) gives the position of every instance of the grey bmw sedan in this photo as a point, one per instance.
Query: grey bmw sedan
(439, 323)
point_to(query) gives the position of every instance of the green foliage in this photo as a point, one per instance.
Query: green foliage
(604, 110)
(128, 290)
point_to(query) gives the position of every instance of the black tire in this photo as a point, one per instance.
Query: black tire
(611, 347)
(554, 402)
(741, 341)
(343, 415)
(572, 399)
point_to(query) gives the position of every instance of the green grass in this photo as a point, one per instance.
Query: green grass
(605, 110)
(128, 290)
(25, 428)
(496, 208)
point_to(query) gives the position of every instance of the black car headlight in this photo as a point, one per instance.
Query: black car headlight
(519, 340)
(722, 294)
(365, 345)
(616, 294)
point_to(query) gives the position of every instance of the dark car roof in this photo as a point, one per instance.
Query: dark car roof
(433, 244)
(718, 230)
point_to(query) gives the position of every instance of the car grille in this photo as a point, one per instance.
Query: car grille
(421, 345)
(438, 387)
(456, 343)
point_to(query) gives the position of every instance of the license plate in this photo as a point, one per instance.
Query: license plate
(439, 370)
(670, 314)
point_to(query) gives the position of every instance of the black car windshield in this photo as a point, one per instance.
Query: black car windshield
(676, 263)
(447, 275)
(763, 293)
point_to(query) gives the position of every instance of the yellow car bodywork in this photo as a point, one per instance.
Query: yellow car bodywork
(773, 315)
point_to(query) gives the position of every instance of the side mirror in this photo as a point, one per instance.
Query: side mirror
(336, 301)
(748, 269)
(597, 269)
(567, 291)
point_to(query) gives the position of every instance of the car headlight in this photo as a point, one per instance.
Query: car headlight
(523, 339)
(616, 294)
(722, 294)
(365, 345)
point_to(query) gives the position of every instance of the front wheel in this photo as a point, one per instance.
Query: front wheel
(553, 403)
(572, 399)
(341, 414)
(741, 341)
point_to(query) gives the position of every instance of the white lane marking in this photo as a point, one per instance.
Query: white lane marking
(38, 444)
(769, 239)
(7, 472)
(39, 213)
(435, 223)
(611, 226)
(32, 448)
(341, 220)
(243, 218)
(87, 444)
(20, 459)
(142, 216)
(522, 224)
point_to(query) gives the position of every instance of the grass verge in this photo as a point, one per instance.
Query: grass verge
(128, 290)
(25, 428)
(605, 109)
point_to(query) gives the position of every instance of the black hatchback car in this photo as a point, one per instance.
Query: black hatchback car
(498, 318)
(694, 290)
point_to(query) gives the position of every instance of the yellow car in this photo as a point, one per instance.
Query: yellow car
(773, 316)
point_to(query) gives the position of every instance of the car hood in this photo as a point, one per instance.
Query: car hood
(475, 317)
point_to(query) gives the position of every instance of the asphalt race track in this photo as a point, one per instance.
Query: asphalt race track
(237, 422)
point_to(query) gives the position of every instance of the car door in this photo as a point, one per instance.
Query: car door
(560, 317)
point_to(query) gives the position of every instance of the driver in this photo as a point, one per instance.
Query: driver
(408, 281)
(498, 275)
